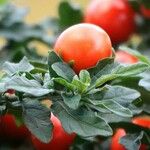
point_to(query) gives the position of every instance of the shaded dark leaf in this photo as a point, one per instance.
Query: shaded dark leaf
(37, 119)
(71, 100)
(82, 122)
(132, 141)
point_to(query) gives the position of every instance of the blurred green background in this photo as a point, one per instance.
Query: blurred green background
(40, 9)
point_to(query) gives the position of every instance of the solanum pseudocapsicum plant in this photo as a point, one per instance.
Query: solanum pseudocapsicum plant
(92, 103)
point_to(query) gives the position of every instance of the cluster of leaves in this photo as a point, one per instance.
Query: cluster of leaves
(91, 104)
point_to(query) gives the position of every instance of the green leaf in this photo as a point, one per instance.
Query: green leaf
(132, 141)
(53, 58)
(3, 81)
(16, 104)
(2, 109)
(80, 86)
(103, 67)
(2, 87)
(69, 14)
(116, 108)
(99, 108)
(63, 70)
(39, 67)
(65, 83)
(85, 77)
(119, 94)
(71, 101)
(106, 70)
(38, 70)
(104, 107)
(37, 119)
(131, 70)
(22, 66)
(110, 117)
(22, 84)
(84, 123)
(104, 79)
(145, 83)
(48, 83)
(1, 74)
(146, 107)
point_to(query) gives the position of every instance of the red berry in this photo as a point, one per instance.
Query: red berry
(115, 145)
(142, 121)
(10, 91)
(116, 17)
(85, 44)
(9, 129)
(145, 12)
(125, 58)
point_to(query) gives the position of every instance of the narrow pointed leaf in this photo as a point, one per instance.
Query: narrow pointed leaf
(65, 83)
(131, 70)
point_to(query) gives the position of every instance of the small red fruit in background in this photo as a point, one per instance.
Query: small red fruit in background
(85, 44)
(9, 129)
(116, 17)
(145, 12)
(141, 121)
(10, 91)
(115, 145)
(60, 140)
(125, 58)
